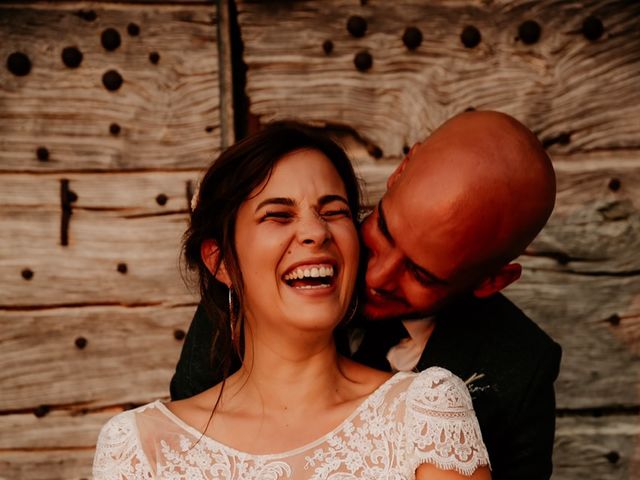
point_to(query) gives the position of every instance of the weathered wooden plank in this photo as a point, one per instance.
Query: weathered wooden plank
(128, 355)
(167, 112)
(46, 465)
(605, 448)
(59, 429)
(87, 270)
(564, 83)
(596, 319)
(600, 359)
(129, 193)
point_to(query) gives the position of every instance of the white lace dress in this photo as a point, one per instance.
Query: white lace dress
(409, 420)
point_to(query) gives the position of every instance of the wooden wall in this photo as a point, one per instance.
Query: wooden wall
(95, 183)
(93, 309)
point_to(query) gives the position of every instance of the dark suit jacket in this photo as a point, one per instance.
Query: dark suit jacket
(514, 397)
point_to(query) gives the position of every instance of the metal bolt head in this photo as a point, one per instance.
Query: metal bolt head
(112, 80)
(592, 28)
(42, 154)
(110, 39)
(614, 184)
(470, 36)
(357, 26)
(363, 61)
(412, 38)
(19, 64)
(133, 29)
(72, 57)
(529, 32)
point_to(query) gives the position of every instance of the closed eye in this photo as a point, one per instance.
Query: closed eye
(338, 213)
(280, 217)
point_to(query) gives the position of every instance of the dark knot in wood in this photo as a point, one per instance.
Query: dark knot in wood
(154, 57)
(133, 29)
(114, 129)
(357, 26)
(592, 28)
(162, 199)
(110, 39)
(412, 38)
(81, 343)
(87, 15)
(561, 139)
(327, 46)
(72, 57)
(41, 410)
(112, 80)
(529, 32)
(122, 268)
(27, 274)
(470, 36)
(178, 334)
(42, 154)
(19, 64)
(363, 61)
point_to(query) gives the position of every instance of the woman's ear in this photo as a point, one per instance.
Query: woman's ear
(210, 254)
(496, 282)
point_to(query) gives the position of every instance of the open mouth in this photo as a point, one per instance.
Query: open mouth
(311, 276)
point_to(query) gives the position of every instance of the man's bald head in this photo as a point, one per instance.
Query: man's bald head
(461, 205)
(494, 173)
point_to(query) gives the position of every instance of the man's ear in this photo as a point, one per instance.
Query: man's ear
(400, 168)
(210, 254)
(499, 280)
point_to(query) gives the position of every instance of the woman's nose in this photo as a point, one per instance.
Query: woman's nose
(313, 230)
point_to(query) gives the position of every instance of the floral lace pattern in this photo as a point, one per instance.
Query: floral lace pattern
(411, 419)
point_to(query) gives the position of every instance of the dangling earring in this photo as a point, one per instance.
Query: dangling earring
(354, 309)
(232, 316)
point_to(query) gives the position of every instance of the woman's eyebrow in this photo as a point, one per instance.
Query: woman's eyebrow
(287, 202)
(331, 198)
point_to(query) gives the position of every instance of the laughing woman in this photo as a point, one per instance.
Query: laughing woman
(274, 227)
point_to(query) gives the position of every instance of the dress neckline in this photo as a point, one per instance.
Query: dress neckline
(289, 453)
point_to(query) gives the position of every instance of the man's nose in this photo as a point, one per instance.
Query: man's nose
(313, 230)
(383, 270)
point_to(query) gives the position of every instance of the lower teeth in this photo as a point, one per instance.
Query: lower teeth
(307, 287)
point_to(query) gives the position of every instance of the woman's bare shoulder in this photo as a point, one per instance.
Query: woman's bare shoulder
(366, 378)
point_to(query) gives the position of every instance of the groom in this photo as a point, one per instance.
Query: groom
(439, 246)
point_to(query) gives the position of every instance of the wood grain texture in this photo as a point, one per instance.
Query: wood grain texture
(168, 113)
(564, 83)
(86, 271)
(597, 448)
(129, 355)
(46, 465)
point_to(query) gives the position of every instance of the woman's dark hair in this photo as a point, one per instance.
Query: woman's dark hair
(229, 181)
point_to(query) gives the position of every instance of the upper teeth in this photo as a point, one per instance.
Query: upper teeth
(312, 271)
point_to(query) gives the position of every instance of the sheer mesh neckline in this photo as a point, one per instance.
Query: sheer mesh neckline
(234, 451)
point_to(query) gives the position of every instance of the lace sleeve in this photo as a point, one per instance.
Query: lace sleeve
(442, 427)
(118, 456)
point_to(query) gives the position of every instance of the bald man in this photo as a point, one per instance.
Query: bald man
(459, 208)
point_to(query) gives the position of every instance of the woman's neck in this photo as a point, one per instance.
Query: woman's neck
(297, 372)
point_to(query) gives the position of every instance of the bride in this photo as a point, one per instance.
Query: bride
(273, 239)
